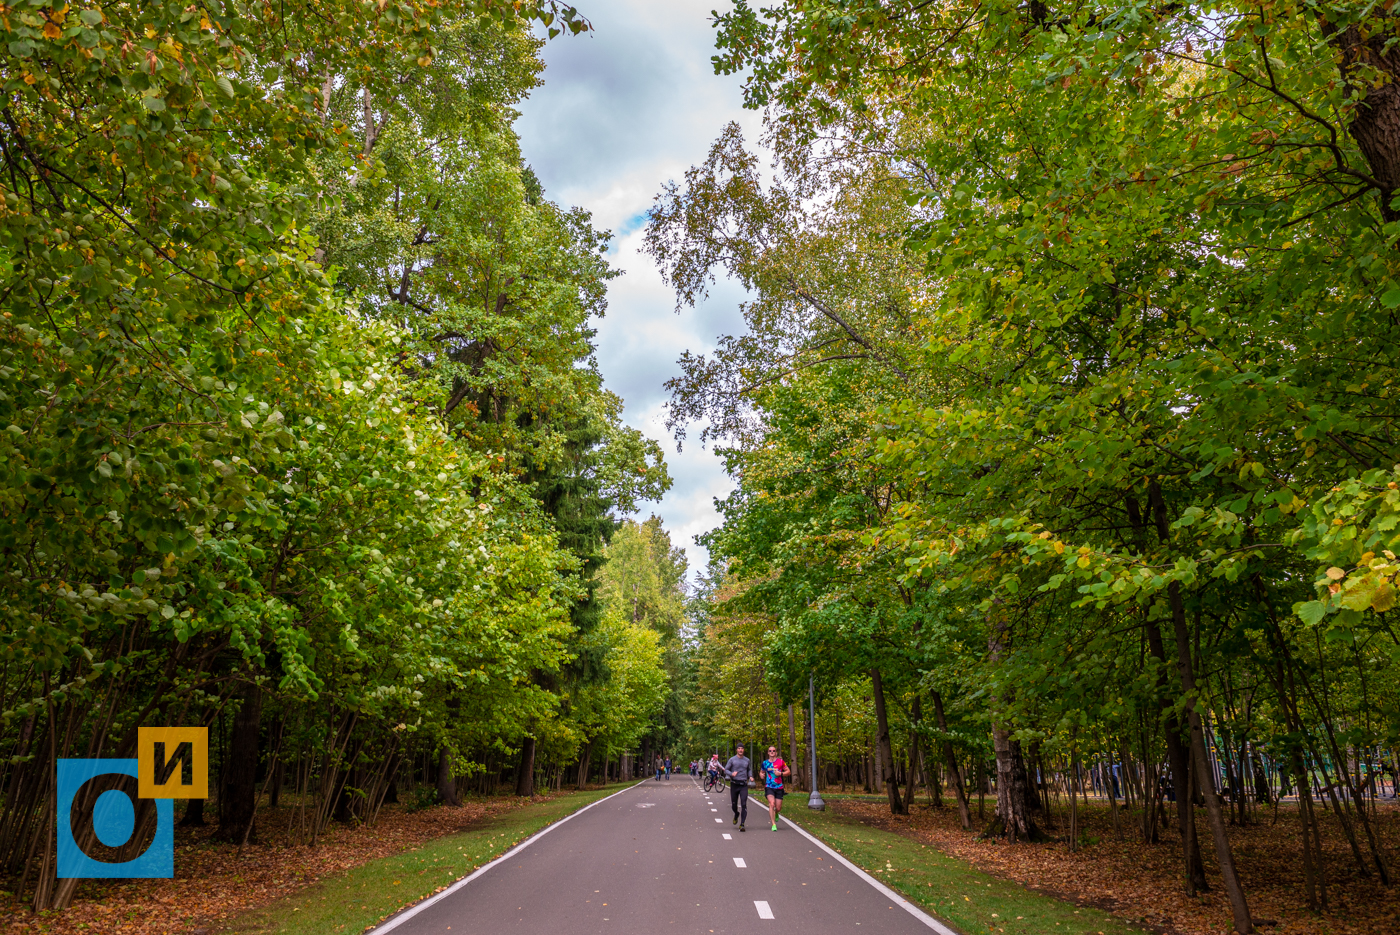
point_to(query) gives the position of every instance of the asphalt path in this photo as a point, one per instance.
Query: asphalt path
(665, 857)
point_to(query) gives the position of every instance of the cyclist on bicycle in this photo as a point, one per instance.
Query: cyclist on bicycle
(713, 768)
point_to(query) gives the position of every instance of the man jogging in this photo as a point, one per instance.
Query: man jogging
(774, 770)
(738, 769)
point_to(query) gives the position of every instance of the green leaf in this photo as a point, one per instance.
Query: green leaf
(1311, 612)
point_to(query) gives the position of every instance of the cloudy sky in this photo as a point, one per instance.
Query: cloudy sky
(622, 111)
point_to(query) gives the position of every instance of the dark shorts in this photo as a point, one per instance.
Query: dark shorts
(776, 793)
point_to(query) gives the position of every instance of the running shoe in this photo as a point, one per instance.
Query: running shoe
(741, 827)
(775, 827)
(736, 819)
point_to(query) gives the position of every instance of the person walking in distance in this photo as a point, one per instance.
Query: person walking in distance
(739, 769)
(668, 767)
(659, 767)
(774, 771)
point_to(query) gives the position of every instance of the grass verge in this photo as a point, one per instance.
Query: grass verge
(968, 900)
(368, 894)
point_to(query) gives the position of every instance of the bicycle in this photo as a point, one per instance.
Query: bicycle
(713, 781)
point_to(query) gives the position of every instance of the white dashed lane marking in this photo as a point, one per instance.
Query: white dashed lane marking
(729, 837)
(763, 911)
(739, 862)
(719, 821)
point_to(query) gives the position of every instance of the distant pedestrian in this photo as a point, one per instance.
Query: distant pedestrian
(739, 769)
(668, 768)
(659, 767)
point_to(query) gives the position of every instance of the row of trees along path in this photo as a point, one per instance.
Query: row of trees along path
(1064, 421)
(301, 433)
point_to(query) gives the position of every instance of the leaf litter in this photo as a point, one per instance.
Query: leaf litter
(213, 885)
(1140, 883)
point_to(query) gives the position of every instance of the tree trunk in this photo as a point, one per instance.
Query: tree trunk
(583, 765)
(446, 782)
(344, 801)
(279, 776)
(1038, 784)
(1106, 779)
(1262, 795)
(194, 814)
(1375, 122)
(1013, 818)
(1239, 908)
(1314, 881)
(911, 778)
(792, 746)
(240, 787)
(882, 724)
(1073, 802)
(1178, 757)
(950, 763)
(525, 778)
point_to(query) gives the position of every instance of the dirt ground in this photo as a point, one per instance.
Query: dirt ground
(213, 884)
(1140, 883)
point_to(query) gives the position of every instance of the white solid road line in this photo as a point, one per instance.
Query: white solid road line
(416, 908)
(894, 897)
(739, 862)
(763, 911)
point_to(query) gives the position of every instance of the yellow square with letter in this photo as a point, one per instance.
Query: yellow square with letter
(172, 762)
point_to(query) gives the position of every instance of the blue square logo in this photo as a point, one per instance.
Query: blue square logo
(113, 819)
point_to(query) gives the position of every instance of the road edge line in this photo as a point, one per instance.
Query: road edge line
(903, 902)
(409, 912)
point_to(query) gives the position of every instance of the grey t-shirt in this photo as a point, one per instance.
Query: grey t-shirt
(738, 768)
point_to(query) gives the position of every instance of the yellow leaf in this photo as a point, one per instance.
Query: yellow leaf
(51, 31)
(1335, 573)
(1383, 597)
(1358, 598)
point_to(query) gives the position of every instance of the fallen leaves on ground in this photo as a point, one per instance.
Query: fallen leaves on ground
(1140, 883)
(212, 883)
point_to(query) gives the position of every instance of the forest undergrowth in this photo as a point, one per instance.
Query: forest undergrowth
(1140, 883)
(213, 884)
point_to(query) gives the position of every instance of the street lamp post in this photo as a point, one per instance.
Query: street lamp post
(814, 800)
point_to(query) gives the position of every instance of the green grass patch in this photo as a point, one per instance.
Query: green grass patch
(353, 901)
(965, 898)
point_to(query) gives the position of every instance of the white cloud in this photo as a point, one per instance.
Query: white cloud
(622, 111)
